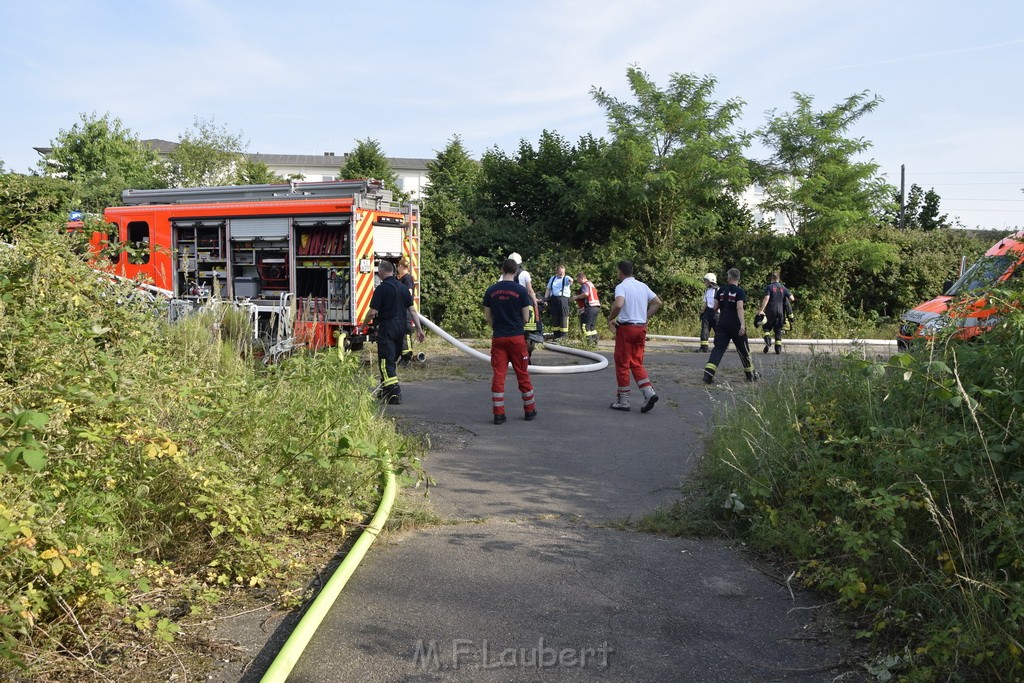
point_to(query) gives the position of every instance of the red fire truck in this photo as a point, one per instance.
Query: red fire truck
(307, 251)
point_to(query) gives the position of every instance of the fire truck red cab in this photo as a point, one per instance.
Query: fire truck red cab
(964, 303)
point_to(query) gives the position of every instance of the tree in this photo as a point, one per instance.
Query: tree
(929, 217)
(27, 199)
(920, 210)
(206, 155)
(101, 158)
(812, 175)
(249, 172)
(367, 160)
(526, 194)
(675, 156)
(832, 200)
(453, 178)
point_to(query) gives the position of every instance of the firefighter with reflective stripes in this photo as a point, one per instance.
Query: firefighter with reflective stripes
(589, 305)
(390, 306)
(729, 303)
(708, 314)
(507, 306)
(407, 280)
(557, 294)
(775, 308)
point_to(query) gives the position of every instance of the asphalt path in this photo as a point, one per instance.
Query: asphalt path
(532, 579)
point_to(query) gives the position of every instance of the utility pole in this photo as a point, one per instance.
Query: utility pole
(903, 196)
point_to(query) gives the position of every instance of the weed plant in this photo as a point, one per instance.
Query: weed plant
(894, 486)
(148, 468)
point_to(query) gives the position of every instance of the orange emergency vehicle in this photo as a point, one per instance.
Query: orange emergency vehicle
(305, 250)
(971, 316)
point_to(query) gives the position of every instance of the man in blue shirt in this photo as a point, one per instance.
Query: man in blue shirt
(558, 291)
(507, 306)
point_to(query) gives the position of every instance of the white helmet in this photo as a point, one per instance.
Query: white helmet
(710, 277)
(516, 257)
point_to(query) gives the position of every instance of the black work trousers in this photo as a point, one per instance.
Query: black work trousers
(774, 324)
(725, 333)
(389, 346)
(558, 308)
(708, 320)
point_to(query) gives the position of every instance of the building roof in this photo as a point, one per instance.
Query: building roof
(325, 160)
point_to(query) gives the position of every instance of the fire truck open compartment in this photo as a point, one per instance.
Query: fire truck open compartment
(304, 251)
(200, 255)
(323, 267)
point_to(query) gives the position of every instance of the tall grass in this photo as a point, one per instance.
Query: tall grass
(893, 486)
(147, 467)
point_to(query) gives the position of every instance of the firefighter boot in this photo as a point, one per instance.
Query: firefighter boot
(778, 347)
(709, 373)
(391, 395)
(751, 374)
(767, 343)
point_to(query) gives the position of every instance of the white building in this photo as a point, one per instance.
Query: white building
(411, 172)
(752, 197)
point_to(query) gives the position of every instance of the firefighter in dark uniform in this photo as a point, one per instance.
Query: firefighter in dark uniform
(391, 305)
(405, 277)
(774, 308)
(729, 303)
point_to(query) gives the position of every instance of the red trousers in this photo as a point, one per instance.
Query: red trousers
(505, 350)
(629, 357)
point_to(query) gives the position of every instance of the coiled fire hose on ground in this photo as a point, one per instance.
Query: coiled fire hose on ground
(599, 361)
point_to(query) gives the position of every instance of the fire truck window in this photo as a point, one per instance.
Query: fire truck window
(113, 239)
(138, 241)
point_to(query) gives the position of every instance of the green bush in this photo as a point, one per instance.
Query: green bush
(24, 199)
(148, 466)
(898, 488)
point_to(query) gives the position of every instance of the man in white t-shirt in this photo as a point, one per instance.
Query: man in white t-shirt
(634, 304)
(708, 315)
(534, 327)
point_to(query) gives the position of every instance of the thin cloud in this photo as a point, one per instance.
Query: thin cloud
(924, 55)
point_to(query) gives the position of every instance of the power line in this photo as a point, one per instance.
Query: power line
(947, 209)
(1018, 184)
(968, 173)
(978, 199)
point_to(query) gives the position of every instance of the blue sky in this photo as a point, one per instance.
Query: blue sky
(315, 76)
